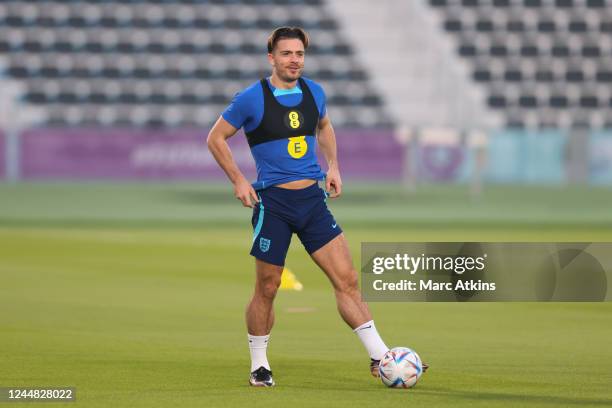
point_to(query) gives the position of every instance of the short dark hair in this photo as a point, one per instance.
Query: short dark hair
(287, 32)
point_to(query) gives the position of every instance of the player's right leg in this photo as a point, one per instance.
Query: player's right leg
(271, 239)
(260, 319)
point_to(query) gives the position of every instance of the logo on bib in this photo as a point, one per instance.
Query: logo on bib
(294, 119)
(297, 146)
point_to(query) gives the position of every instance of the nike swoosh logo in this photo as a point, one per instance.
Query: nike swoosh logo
(367, 327)
(334, 225)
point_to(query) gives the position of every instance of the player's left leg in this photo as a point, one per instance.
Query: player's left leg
(335, 260)
(323, 239)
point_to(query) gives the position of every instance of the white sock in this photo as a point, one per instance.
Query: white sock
(371, 340)
(258, 346)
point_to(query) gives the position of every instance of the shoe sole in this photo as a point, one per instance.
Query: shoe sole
(375, 371)
(260, 384)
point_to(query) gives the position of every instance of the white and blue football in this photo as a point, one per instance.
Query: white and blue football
(400, 367)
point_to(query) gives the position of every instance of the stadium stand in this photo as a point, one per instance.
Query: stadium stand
(543, 63)
(168, 63)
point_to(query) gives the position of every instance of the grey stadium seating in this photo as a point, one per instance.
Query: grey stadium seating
(544, 63)
(168, 63)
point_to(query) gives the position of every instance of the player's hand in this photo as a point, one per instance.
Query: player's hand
(333, 183)
(243, 190)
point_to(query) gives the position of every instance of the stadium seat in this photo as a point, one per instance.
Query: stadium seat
(541, 62)
(168, 62)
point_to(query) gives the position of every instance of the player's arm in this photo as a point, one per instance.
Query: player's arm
(217, 144)
(327, 144)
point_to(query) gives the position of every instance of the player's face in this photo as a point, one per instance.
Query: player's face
(287, 59)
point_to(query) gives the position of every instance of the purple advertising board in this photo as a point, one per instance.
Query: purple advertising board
(369, 154)
(2, 156)
(123, 154)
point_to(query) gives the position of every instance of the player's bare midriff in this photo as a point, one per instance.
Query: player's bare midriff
(297, 184)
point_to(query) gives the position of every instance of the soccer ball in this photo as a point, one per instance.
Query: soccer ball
(400, 367)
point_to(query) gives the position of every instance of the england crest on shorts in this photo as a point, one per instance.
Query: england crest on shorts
(264, 244)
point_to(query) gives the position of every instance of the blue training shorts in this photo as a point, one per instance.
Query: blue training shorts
(281, 212)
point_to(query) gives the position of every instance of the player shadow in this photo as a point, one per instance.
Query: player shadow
(476, 396)
(515, 399)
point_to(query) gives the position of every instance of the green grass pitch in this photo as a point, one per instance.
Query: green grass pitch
(135, 294)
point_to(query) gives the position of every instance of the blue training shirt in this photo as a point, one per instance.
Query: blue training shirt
(274, 166)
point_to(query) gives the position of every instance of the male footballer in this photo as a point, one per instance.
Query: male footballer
(284, 116)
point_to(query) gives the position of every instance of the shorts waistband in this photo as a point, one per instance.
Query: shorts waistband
(300, 192)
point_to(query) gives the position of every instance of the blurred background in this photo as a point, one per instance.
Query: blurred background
(452, 91)
(123, 253)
